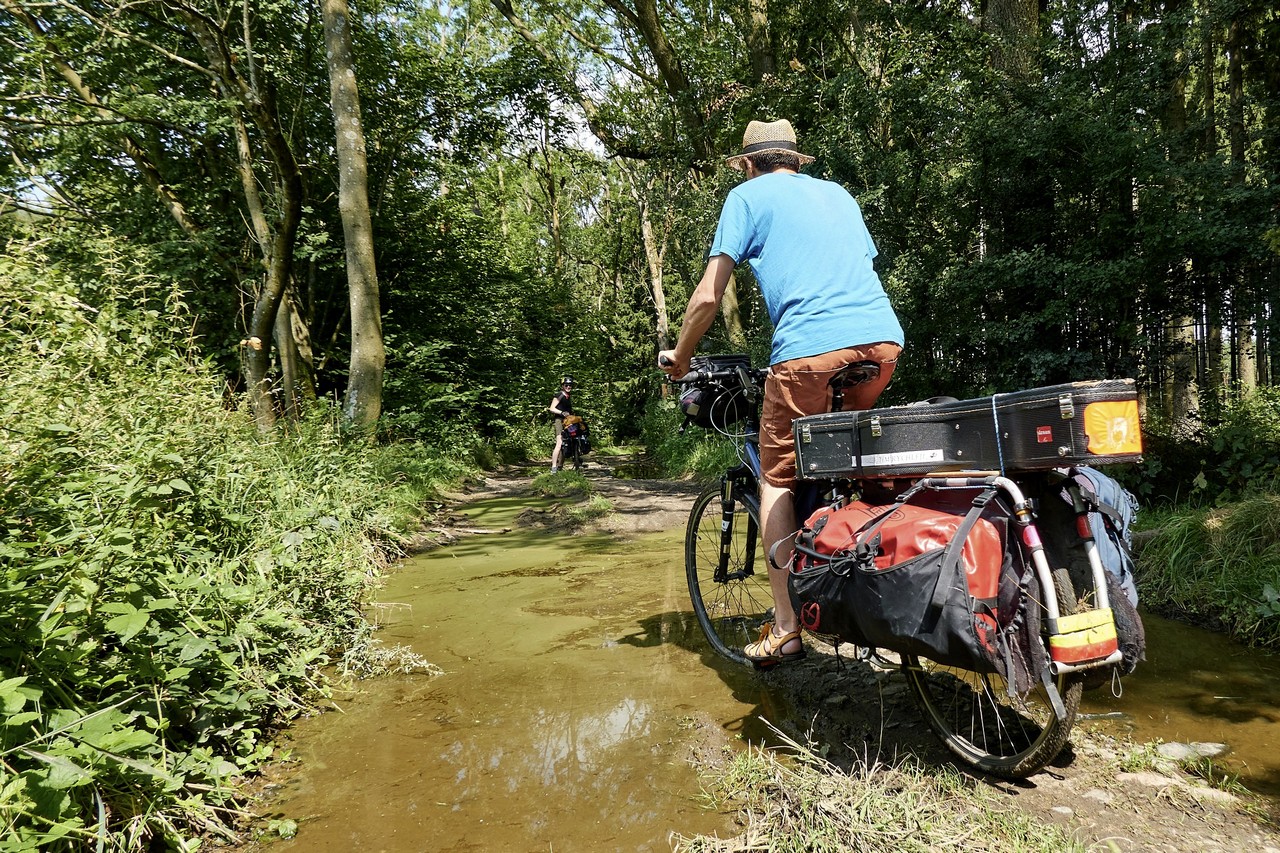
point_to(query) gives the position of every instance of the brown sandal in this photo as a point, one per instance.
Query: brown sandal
(767, 651)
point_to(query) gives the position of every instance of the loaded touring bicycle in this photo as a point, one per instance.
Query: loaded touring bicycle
(952, 538)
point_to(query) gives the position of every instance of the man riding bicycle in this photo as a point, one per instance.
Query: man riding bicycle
(808, 246)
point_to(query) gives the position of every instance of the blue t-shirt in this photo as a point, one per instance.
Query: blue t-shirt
(811, 252)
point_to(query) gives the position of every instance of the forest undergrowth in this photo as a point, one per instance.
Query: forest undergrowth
(174, 581)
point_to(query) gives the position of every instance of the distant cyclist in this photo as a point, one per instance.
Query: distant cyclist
(561, 405)
(811, 254)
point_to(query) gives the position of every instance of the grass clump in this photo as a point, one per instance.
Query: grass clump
(595, 507)
(807, 805)
(172, 581)
(1218, 567)
(563, 484)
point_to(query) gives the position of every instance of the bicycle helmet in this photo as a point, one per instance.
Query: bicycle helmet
(568, 380)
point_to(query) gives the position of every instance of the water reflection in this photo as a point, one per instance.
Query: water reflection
(577, 684)
(572, 700)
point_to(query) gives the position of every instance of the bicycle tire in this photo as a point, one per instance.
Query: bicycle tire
(973, 715)
(731, 609)
(577, 455)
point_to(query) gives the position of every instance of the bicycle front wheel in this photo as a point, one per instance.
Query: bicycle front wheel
(726, 568)
(973, 714)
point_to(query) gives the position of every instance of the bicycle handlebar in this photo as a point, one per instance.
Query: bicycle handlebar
(746, 376)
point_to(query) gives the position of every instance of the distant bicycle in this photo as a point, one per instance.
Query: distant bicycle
(575, 441)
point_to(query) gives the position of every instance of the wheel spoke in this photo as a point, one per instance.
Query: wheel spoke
(974, 715)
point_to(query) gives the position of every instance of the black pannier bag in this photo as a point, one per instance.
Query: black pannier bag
(914, 579)
(721, 404)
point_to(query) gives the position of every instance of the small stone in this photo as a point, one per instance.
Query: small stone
(1213, 795)
(1063, 811)
(1176, 751)
(1208, 750)
(1098, 795)
(1149, 780)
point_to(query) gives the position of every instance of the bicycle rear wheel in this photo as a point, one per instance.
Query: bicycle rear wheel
(726, 569)
(973, 714)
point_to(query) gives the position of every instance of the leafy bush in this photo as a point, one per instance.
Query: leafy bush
(1214, 461)
(703, 453)
(171, 580)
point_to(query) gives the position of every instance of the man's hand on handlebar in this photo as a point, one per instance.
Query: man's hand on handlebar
(670, 365)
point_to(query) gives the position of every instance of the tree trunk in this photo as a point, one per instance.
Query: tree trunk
(654, 255)
(1181, 394)
(759, 44)
(1181, 390)
(363, 402)
(732, 315)
(1213, 351)
(1016, 25)
(1243, 348)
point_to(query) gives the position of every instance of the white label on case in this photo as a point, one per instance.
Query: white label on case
(907, 457)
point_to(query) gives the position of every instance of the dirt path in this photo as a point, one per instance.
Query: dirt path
(1110, 794)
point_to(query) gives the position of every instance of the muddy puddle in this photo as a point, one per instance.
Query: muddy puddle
(576, 688)
(1198, 686)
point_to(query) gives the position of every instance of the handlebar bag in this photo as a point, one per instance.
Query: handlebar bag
(721, 403)
(911, 579)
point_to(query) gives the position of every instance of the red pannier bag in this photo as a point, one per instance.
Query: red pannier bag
(911, 578)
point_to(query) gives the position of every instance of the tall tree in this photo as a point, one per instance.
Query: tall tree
(363, 401)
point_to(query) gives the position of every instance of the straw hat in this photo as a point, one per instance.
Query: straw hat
(762, 136)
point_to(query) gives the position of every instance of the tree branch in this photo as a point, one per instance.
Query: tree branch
(616, 145)
(136, 39)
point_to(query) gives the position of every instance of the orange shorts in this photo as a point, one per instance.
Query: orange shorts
(799, 387)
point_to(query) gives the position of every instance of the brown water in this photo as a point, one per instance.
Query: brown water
(575, 688)
(1197, 685)
(577, 685)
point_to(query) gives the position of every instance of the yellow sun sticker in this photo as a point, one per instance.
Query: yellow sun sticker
(1112, 427)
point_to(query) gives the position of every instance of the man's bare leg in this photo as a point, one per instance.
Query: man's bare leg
(779, 522)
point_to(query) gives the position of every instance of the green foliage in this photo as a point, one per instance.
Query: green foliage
(700, 452)
(1269, 607)
(1219, 567)
(171, 581)
(562, 484)
(1214, 461)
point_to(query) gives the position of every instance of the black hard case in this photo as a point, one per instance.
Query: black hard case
(1030, 430)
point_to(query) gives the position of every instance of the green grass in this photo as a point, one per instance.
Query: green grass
(802, 804)
(1220, 567)
(594, 508)
(562, 484)
(173, 582)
